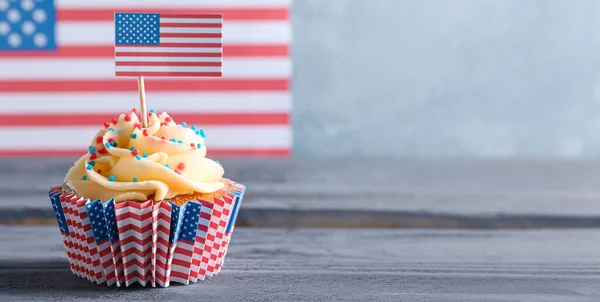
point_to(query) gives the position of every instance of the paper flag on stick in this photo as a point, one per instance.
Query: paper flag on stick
(168, 44)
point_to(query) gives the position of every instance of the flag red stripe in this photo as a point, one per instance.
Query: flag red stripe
(93, 119)
(167, 74)
(191, 35)
(168, 54)
(101, 51)
(262, 152)
(168, 63)
(192, 16)
(229, 14)
(178, 45)
(181, 85)
(193, 25)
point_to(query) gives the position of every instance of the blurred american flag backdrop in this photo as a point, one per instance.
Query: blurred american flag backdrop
(58, 83)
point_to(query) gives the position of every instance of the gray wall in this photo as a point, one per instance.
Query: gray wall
(489, 78)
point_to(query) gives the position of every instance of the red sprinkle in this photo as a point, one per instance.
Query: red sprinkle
(145, 132)
(162, 137)
(168, 119)
(192, 145)
(93, 156)
(128, 118)
(114, 121)
(99, 171)
(111, 139)
(180, 166)
(135, 152)
(134, 110)
(99, 139)
(102, 151)
(177, 171)
(106, 124)
(137, 125)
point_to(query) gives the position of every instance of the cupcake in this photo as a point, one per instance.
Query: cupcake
(146, 206)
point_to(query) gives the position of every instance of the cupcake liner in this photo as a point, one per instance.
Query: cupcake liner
(142, 242)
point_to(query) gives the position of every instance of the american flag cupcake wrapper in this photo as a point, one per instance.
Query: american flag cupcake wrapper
(141, 242)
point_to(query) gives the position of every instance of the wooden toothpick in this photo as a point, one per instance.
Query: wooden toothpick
(142, 92)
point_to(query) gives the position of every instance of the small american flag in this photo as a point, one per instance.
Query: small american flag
(168, 44)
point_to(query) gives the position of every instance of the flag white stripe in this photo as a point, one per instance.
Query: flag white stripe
(181, 49)
(168, 68)
(191, 20)
(230, 137)
(103, 33)
(14, 69)
(173, 102)
(171, 59)
(101, 4)
(190, 40)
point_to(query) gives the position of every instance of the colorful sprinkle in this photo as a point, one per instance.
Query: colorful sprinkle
(92, 149)
(163, 138)
(84, 177)
(192, 145)
(145, 155)
(194, 128)
(92, 163)
(111, 129)
(168, 166)
(152, 111)
(107, 145)
(135, 152)
(177, 171)
(180, 142)
(173, 140)
(183, 124)
(102, 151)
(137, 125)
(89, 167)
(202, 133)
(145, 132)
(111, 178)
(133, 135)
(106, 124)
(111, 139)
(131, 149)
(99, 171)
(138, 157)
(93, 156)
(128, 118)
(133, 110)
(114, 144)
(199, 146)
(181, 166)
(216, 161)
(168, 119)
(135, 179)
(114, 121)
(99, 140)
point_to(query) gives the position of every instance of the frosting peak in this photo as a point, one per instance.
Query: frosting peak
(128, 162)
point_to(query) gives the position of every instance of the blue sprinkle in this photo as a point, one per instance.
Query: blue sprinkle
(152, 111)
(92, 163)
(135, 179)
(131, 149)
(107, 145)
(167, 165)
(137, 157)
(202, 133)
(199, 146)
(111, 129)
(133, 135)
(183, 124)
(179, 142)
(145, 155)
(216, 161)
(92, 149)
(113, 143)
(89, 167)
(194, 128)
(111, 178)
(84, 177)
(173, 140)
